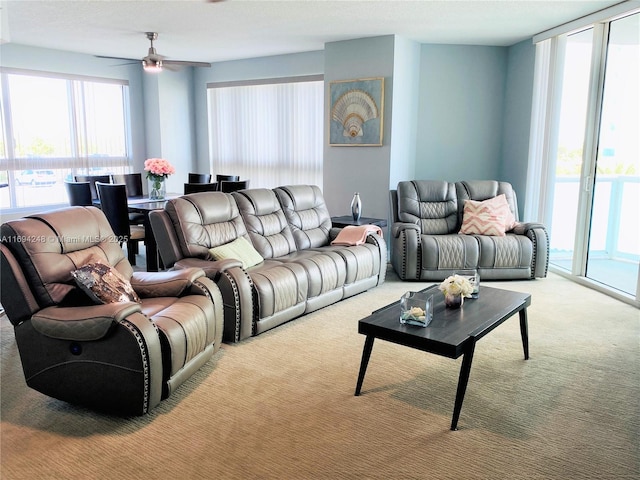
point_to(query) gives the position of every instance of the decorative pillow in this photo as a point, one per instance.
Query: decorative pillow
(104, 284)
(491, 217)
(239, 249)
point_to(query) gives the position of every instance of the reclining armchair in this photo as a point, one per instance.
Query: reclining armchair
(122, 357)
(428, 241)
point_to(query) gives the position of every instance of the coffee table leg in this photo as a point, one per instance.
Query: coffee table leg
(465, 369)
(366, 353)
(524, 332)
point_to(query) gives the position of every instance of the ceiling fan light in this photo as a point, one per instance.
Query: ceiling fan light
(151, 66)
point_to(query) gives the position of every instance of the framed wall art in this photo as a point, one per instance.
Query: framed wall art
(357, 111)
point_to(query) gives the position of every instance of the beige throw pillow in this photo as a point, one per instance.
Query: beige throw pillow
(240, 249)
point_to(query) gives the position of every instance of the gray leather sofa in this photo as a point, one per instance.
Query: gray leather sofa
(122, 357)
(291, 229)
(426, 243)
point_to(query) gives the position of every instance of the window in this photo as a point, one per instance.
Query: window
(54, 127)
(268, 132)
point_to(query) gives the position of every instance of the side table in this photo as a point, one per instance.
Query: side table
(345, 220)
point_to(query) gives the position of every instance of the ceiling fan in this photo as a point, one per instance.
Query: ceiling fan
(154, 62)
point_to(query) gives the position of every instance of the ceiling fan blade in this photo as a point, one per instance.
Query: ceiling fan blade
(117, 58)
(185, 63)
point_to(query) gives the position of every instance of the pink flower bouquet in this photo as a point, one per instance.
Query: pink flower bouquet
(157, 170)
(158, 167)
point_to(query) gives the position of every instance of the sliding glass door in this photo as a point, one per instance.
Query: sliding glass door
(614, 240)
(592, 197)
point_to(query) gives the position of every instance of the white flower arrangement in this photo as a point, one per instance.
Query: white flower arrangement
(456, 285)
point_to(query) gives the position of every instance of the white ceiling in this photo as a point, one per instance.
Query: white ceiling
(201, 30)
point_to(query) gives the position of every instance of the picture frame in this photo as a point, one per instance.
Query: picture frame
(356, 113)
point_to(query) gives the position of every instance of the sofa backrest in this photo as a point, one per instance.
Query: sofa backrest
(47, 247)
(203, 221)
(306, 214)
(430, 204)
(481, 190)
(265, 222)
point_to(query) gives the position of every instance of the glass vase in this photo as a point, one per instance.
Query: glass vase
(157, 188)
(356, 206)
(453, 301)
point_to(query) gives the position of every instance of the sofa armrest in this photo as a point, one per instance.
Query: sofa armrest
(237, 292)
(379, 241)
(398, 228)
(522, 228)
(405, 250)
(212, 268)
(85, 323)
(172, 283)
(538, 235)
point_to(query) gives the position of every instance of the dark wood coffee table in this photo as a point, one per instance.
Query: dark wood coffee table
(453, 332)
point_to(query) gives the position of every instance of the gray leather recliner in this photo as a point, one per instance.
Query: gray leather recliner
(425, 243)
(120, 357)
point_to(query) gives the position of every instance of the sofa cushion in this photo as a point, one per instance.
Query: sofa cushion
(265, 221)
(430, 204)
(490, 217)
(239, 249)
(204, 221)
(306, 213)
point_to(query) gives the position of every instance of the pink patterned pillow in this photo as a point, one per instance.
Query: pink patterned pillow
(491, 217)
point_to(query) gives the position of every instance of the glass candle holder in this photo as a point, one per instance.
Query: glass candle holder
(474, 279)
(416, 308)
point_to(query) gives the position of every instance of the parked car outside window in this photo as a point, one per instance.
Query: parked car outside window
(36, 177)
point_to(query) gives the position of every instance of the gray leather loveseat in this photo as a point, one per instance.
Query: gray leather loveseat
(297, 270)
(426, 243)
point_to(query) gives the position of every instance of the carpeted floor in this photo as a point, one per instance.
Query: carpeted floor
(281, 405)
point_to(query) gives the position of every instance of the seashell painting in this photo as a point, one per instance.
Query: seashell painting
(356, 112)
(352, 109)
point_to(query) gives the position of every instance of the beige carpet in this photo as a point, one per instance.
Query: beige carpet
(281, 405)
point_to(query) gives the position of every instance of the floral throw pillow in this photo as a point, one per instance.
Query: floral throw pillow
(104, 284)
(491, 217)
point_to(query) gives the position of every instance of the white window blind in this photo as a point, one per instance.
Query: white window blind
(269, 132)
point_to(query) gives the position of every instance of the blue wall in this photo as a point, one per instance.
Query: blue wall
(463, 112)
(460, 112)
(517, 118)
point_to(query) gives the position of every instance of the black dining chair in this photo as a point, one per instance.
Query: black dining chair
(79, 193)
(133, 183)
(92, 179)
(227, 178)
(200, 187)
(199, 178)
(113, 202)
(233, 185)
